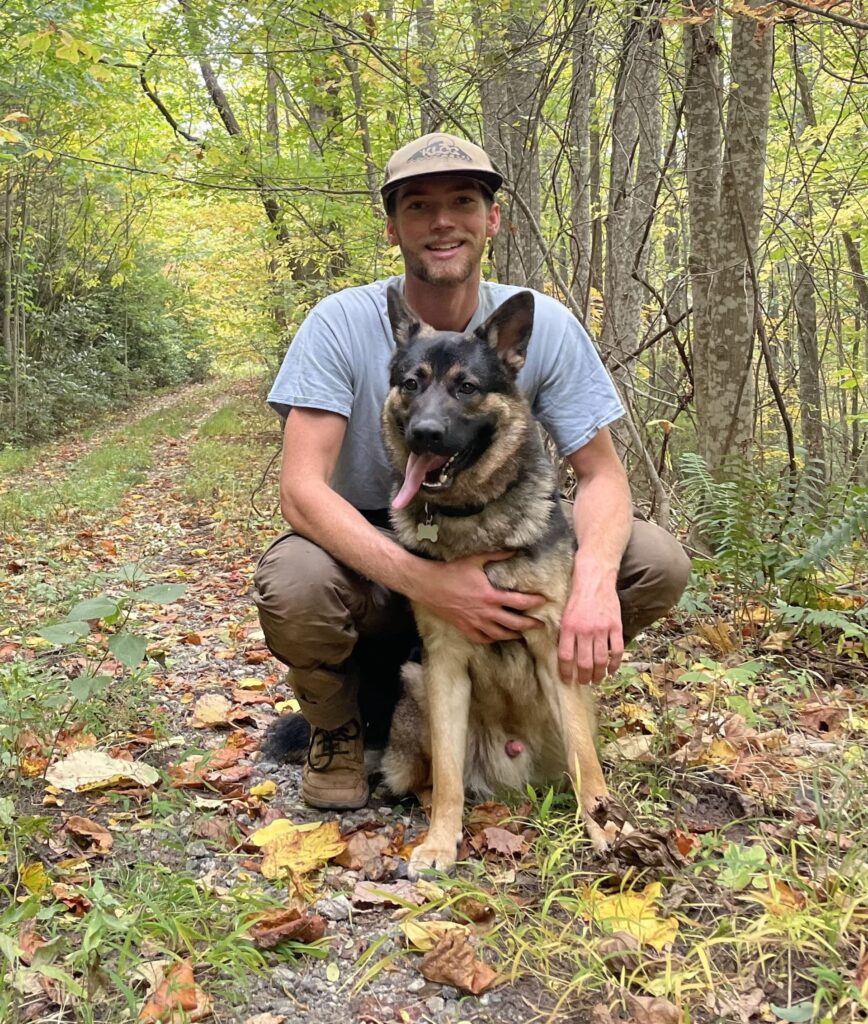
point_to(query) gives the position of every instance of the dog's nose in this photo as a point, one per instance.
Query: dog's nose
(426, 434)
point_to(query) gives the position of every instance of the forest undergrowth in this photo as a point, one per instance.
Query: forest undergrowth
(154, 866)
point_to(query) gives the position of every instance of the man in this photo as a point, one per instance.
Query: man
(332, 595)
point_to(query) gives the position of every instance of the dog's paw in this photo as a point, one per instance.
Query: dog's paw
(428, 856)
(605, 821)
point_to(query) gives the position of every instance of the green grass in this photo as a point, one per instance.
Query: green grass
(229, 419)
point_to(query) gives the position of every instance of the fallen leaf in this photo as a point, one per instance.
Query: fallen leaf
(264, 789)
(452, 962)
(178, 998)
(34, 878)
(634, 913)
(77, 902)
(387, 894)
(84, 770)
(652, 1009)
(719, 635)
(95, 836)
(485, 815)
(425, 935)
(266, 1018)
(499, 840)
(211, 710)
(280, 925)
(365, 853)
(300, 850)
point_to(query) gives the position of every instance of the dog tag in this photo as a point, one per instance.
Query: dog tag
(427, 531)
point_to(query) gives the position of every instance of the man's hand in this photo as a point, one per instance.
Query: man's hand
(461, 593)
(591, 643)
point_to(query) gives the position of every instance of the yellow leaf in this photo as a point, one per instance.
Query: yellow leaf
(634, 913)
(34, 879)
(333, 972)
(67, 52)
(300, 850)
(264, 789)
(719, 751)
(636, 714)
(250, 683)
(264, 836)
(287, 705)
(425, 935)
(18, 116)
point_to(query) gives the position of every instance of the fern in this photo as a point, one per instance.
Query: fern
(774, 541)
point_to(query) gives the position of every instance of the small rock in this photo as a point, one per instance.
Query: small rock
(450, 993)
(435, 1004)
(417, 985)
(198, 849)
(336, 909)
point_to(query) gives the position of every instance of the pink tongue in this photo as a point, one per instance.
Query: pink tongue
(414, 474)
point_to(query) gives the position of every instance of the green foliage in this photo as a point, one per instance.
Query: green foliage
(787, 546)
(37, 697)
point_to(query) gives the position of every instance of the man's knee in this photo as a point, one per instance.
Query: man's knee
(655, 568)
(304, 603)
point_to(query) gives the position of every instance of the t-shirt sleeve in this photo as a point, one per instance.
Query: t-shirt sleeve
(576, 397)
(316, 372)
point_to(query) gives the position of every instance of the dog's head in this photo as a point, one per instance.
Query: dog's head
(454, 413)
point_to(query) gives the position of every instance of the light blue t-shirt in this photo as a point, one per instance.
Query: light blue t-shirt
(339, 362)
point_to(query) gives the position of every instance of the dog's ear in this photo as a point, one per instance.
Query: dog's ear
(508, 329)
(404, 321)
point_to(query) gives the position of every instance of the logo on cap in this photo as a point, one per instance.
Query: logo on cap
(440, 150)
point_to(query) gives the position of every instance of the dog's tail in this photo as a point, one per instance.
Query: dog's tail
(287, 739)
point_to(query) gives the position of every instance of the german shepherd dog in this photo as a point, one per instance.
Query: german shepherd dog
(476, 478)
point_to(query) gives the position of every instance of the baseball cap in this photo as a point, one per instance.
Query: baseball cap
(439, 153)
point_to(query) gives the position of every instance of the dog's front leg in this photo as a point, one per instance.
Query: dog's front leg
(448, 685)
(572, 706)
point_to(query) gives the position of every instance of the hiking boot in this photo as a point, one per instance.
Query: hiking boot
(334, 777)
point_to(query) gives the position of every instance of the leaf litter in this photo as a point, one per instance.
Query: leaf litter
(736, 746)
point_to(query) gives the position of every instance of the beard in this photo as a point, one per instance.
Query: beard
(446, 275)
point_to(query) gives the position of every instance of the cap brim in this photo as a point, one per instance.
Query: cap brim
(491, 179)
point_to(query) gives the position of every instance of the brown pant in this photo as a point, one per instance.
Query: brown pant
(334, 627)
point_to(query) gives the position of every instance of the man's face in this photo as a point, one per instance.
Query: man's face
(441, 223)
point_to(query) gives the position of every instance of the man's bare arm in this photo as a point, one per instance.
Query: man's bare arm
(458, 592)
(591, 641)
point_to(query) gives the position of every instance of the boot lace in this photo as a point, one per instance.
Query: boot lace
(331, 743)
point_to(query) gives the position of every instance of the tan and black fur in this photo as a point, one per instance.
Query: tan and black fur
(467, 701)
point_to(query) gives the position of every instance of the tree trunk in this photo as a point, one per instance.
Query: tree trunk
(579, 135)
(510, 79)
(634, 169)
(725, 202)
(429, 106)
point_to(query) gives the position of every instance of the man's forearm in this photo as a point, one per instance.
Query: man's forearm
(603, 515)
(323, 516)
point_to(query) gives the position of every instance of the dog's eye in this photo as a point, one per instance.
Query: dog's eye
(467, 387)
(410, 384)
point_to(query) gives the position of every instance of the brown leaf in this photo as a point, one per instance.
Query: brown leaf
(276, 926)
(95, 837)
(29, 940)
(386, 894)
(364, 853)
(822, 718)
(499, 840)
(485, 815)
(178, 998)
(652, 1009)
(210, 710)
(452, 962)
(77, 902)
(474, 910)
